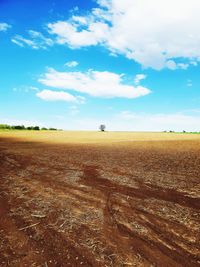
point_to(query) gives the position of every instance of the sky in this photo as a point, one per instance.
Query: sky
(132, 65)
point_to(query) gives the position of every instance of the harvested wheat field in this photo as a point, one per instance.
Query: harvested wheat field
(99, 199)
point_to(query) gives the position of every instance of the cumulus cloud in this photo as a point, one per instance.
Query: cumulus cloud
(35, 40)
(71, 64)
(93, 83)
(4, 26)
(156, 34)
(68, 32)
(50, 95)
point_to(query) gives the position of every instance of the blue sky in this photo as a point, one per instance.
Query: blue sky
(132, 64)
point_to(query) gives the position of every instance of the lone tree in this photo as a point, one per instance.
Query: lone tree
(102, 127)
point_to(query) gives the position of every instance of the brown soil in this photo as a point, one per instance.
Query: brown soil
(129, 204)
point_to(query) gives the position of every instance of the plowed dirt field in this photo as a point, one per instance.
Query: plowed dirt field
(99, 199)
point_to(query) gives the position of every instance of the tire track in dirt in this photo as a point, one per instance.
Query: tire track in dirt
(154, 252)
(91, 177)
(163, 229)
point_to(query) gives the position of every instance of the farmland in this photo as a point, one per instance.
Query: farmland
(99, 199)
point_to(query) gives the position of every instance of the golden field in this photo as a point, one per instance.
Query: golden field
(67, 137)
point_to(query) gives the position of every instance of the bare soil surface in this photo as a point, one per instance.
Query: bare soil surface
(123, 204)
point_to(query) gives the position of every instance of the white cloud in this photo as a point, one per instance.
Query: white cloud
(71, 64)
(139, 77)
(171, 64)
(49, 95)
(69, 33)
(17, 42)
(94, 83)
(79, 20)
(4, 27)
(36, 40)
(21, 41)
(154, 33)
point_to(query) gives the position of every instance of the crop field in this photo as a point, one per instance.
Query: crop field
(99, 199)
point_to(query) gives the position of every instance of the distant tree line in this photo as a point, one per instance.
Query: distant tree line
(22, 127)
(180, 132)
